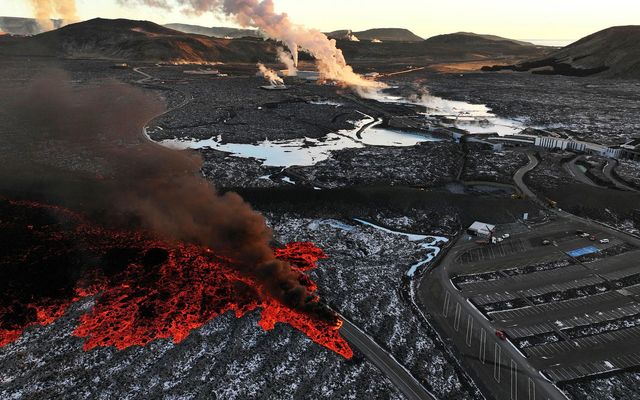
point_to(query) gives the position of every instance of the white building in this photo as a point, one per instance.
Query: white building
(481, 229)
(578, 146)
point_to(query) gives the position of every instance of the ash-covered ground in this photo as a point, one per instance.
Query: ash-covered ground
(622, 386)
(629, 172)
(365, 278)
(428, 164)
(240, 111)
(228, 358)
(485, 164)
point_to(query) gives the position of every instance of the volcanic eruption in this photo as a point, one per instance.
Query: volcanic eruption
(46, 10)
(84, 147)
(147, 288)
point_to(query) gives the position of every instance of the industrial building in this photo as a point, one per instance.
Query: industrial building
(557, 143)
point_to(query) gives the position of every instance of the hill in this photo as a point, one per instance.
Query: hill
(382, 34)
(468, 38)
(145, 41)
(613, 52)
(450, 47)
(123, 39)
(217, 32)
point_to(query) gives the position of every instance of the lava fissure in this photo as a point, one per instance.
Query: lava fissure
(146, 288)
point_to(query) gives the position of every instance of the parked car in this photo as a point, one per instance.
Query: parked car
(605, 241)
(501, 335)
(592, 238)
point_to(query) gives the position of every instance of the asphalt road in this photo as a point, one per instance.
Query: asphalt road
(608, 172)
(577, 173)
(400, 376)
(519, 176)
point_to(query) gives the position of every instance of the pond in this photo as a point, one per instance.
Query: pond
(309, 151)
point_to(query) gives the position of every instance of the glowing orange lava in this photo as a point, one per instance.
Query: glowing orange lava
(146, 289)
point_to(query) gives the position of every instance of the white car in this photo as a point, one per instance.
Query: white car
(506, 236)
(605, 241)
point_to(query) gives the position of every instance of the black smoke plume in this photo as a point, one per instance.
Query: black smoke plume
(84, 145)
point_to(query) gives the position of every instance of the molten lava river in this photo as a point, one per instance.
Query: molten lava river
(145, 289)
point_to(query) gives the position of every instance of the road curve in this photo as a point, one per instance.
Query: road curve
(519, 176)
(578, 174)
(608, 173)
(390, 367)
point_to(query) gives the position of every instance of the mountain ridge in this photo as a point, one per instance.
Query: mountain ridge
(612, 52)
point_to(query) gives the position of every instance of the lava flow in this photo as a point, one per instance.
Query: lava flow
(145, 288)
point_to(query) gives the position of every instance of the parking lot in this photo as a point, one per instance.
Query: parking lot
(565, 295)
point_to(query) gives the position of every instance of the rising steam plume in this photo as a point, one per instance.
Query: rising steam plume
(46, 10)
(278, 26)
(59, 137)
(270, 75)
(287, 59)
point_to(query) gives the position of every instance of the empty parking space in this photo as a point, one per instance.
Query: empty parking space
(494, 298)
(550, 350)
(486, 253)
(527, 331)
(595, 317)
(558, 287)
(613, 363)
(604, 300)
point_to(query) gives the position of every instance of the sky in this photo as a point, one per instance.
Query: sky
(564, 20)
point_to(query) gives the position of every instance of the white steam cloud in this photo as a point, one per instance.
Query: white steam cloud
(287, 59)
(270, 75)
(46, 10)
(261, 14)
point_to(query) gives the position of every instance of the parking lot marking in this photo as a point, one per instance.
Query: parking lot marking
(483, 346)
(532, 389)
(514, 380)
(469, 329)
(456, 323)
(445, 307)
(497, 355)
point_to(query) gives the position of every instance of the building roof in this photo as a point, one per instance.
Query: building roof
(481, 227)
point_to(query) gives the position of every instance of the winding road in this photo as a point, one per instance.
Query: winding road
(577, 173)
(520, 174)
(609, 174)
